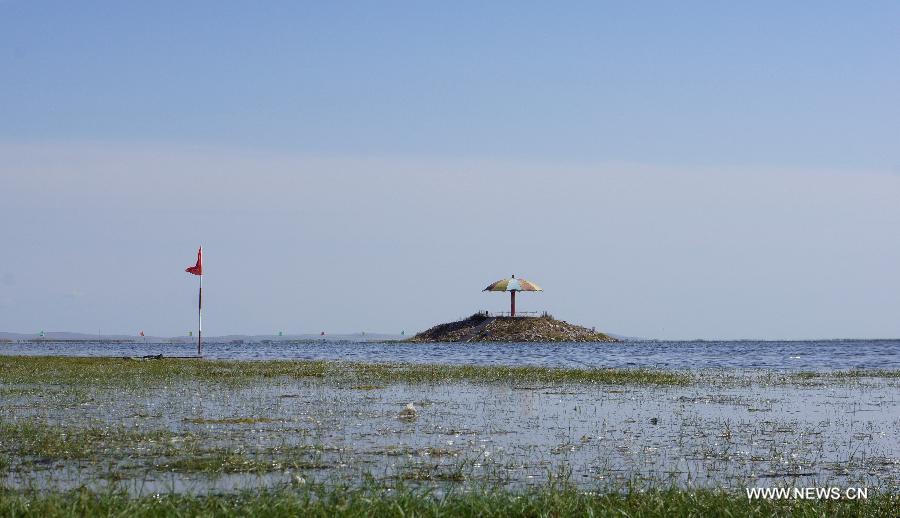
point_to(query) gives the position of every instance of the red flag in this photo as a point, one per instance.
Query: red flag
(197, 269)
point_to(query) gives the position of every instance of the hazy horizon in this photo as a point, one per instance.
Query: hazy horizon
(662, 171)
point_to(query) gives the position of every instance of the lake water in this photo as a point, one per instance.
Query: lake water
(778, 355)
(707, 434)
(721, 431)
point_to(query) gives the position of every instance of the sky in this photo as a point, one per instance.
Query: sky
(662, 169)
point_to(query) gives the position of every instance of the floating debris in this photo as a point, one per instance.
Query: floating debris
(408, 412)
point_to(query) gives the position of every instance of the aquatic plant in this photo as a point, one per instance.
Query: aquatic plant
(116, 371)
(401, 500)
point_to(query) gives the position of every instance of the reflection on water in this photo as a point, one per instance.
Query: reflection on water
(805, 355)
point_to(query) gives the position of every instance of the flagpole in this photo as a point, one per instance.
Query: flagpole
(200, 318)
(197, 270)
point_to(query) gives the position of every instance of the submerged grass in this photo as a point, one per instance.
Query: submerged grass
(117, 371)
(233, 420)
(236, 462)
(29, 438)
(849, 374)
(33, 442)
(401, 501)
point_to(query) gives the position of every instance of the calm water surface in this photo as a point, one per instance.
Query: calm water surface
(815, 434)
(791, 355)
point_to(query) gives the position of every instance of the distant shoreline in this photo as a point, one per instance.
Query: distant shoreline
(398, 339)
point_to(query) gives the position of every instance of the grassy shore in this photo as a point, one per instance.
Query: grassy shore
(106, 372)
(401, 502)
(117, 371)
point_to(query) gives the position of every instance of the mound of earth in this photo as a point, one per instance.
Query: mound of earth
(482, 328)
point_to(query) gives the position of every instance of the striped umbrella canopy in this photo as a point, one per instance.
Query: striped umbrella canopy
(512, 285)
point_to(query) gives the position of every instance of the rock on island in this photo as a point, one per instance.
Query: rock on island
(484, 328)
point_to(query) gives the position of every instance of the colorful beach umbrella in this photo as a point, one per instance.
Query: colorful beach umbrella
(512, 285)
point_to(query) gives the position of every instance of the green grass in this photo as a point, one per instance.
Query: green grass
(117, 371)
(19, 370)
(233, 420)
(29, 438)
(36, 441)
(766, 378)
(403, 502)
(236, 462)
(849, 374)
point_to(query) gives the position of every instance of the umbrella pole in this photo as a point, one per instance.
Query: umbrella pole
(512, 303)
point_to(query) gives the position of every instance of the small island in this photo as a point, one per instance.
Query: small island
(482, 327)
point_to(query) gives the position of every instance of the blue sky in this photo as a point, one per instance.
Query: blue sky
(690, 169)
